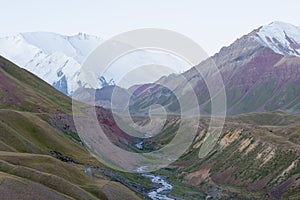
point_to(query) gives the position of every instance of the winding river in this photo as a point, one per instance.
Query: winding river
(160, 193)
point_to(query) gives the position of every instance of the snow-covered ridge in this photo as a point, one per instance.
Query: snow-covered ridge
(76, 46)
(282, 38)
(53, 57)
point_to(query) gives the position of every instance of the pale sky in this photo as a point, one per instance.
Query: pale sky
(211, 23)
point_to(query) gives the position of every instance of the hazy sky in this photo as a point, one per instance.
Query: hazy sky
(211, 23)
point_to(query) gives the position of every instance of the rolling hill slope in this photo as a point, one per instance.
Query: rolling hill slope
(256, 157)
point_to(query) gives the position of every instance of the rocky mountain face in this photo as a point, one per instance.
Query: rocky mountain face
(261, 72)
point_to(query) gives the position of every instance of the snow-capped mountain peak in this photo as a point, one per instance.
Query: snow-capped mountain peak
(53, 57)
(281, 37)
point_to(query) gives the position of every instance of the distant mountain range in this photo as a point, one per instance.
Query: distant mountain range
(261, 67)
(57, 59)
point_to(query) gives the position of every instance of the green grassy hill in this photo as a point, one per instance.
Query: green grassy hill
(34, 120)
